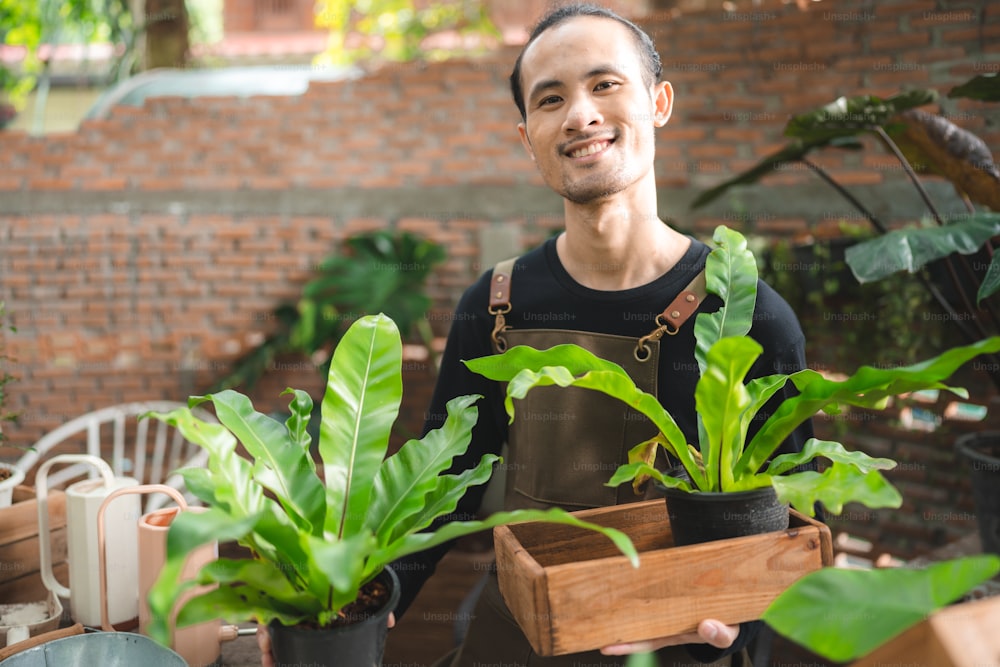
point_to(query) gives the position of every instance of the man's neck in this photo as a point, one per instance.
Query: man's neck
(613, 246)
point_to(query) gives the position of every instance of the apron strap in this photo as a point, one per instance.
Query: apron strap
(500, 300)
(673, 316)
(668, 322)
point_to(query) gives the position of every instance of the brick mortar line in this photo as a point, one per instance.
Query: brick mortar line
(482, 201)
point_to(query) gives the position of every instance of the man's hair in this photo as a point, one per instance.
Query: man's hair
(652, 67)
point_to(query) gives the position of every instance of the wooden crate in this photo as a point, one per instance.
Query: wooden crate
(962, 635)
(571, 590)
(20, 578)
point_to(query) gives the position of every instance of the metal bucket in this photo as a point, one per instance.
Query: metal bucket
(107, 649)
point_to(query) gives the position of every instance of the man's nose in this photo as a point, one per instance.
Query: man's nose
(581, 113)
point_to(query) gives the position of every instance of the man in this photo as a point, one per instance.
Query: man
(588, 87)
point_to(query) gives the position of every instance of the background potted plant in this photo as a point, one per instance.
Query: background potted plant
(322, 536)
(951, 256)
(725, 461)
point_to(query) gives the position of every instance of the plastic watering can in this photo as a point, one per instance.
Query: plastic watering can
(83, 500)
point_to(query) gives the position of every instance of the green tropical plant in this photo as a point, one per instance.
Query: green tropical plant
(925, 144)
(382, 271)
(844, 614)
(725, 459)
(317, 535)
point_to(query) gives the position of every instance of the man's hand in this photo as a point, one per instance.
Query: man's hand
(710, 631)
(264, 642)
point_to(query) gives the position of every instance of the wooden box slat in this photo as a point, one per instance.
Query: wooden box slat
(571, 590)
(20, 580)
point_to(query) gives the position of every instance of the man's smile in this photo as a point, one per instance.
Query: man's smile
(586, 149)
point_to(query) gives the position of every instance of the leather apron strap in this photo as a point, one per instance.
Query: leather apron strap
(669, 322)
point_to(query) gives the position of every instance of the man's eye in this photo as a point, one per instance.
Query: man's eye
(551, 99)
(605, 85)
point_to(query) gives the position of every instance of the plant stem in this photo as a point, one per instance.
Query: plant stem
(941, 300)
(884, 136)
(823, 174)
(959, 288)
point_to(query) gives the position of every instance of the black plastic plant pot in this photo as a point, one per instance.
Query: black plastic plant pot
(704, 517)
(981, 452)
(357, 644)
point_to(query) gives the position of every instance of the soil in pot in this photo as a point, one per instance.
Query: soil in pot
(981, 452)
(704, 517)
(357, 639)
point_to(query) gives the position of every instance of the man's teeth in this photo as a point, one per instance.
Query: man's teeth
(589, 150)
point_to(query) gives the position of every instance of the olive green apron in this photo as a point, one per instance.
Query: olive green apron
(564, 445)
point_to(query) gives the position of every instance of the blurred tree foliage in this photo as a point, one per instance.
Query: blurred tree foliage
(396, 30)
(31, 24)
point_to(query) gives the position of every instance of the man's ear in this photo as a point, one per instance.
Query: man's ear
(523, 131)
(663, 103)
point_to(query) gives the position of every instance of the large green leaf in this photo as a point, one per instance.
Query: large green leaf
(363, 392)
(269, 579)
(281, 464)
(849, 116)
(617, 384)
(985, 87)
(406, 478)
(504, 367)
(238, 603)
(230, 474)
(834, 451)
(730, 273)
(934, 145)
(642, 469)
(440, 501)
(839, 484)
(834, 125)
(912, 249)
(721, 399)
(843, 614)
(868, 387)
(991, 281)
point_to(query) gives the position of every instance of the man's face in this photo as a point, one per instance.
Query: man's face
(590, 118)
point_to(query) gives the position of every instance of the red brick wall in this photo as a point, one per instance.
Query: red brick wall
(141, 254)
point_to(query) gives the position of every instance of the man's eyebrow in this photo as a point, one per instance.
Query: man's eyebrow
(557, 83)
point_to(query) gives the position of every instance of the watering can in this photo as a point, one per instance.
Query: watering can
(83, 500)
(197, 644)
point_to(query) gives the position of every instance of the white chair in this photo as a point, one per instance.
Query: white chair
(147, 449)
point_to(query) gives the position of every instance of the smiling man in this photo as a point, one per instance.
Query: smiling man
(588, 87)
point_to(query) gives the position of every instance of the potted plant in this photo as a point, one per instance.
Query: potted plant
(321, 537)
(952, 257)
(383, 271)
(726, 464)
